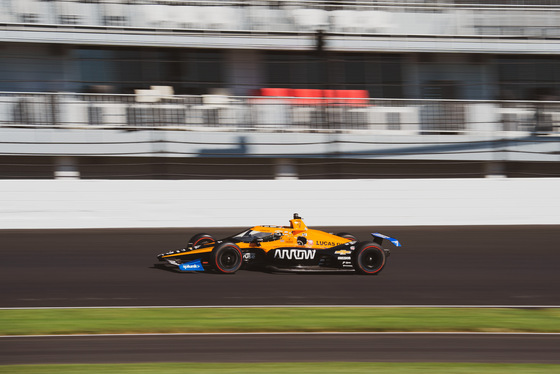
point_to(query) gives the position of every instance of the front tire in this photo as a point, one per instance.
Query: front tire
(200, 239)
(226, 258)
(368, 258)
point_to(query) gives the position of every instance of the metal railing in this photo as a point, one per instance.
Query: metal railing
(276, 114)
(374, 17)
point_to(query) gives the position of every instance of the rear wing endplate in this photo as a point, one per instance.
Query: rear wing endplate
(378, 238)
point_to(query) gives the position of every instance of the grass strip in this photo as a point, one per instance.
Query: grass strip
(277, 368)
(172, 320)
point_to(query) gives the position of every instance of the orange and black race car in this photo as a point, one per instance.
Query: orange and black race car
(292, 248)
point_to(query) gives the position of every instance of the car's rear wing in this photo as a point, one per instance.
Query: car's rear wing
(378, 238)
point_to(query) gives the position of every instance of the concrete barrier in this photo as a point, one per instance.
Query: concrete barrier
(34, 204)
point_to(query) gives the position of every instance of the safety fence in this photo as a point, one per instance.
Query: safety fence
(451, 18)
(276, 114)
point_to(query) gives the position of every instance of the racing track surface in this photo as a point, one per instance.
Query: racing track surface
(283, 348)
(436, 266)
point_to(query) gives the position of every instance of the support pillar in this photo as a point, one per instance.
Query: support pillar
(495, 169)
(66, 167)
(285, 169)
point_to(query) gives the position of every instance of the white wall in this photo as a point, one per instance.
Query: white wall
(105, 204)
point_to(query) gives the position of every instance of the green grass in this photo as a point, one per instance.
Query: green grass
(169, 320)
(277, 368)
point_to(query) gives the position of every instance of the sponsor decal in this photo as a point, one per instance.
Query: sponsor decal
(342, 252)
(344, 257)
(327, 244)
(295, 254)
(195, 265)
(249, 256)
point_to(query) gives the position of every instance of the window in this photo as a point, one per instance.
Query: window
(522, 78)
(380, 74)
(122, 70)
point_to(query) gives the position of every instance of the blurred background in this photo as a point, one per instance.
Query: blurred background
(249, 89)
(216, 114)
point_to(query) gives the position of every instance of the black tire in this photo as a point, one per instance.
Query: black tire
(226, 258)
(346, 235)
(200, 239)
(368, 258)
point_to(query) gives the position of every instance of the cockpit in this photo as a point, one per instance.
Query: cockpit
(249, 236)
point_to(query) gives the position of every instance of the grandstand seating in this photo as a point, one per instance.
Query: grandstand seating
(398, 18)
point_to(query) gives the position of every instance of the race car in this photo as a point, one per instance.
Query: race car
(289, 248)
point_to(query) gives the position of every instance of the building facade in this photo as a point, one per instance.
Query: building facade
(468, 72)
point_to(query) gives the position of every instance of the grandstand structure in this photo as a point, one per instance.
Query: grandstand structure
(253, 89)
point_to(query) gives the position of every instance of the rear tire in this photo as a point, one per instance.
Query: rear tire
(226, 258)
(368, 258)
(200, 239)
(346, 235)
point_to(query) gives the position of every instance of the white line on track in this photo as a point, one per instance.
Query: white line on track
(285, 306)
(286, 333)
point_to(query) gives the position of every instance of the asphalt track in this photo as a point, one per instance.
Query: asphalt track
(436, 266)
(283, 348)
